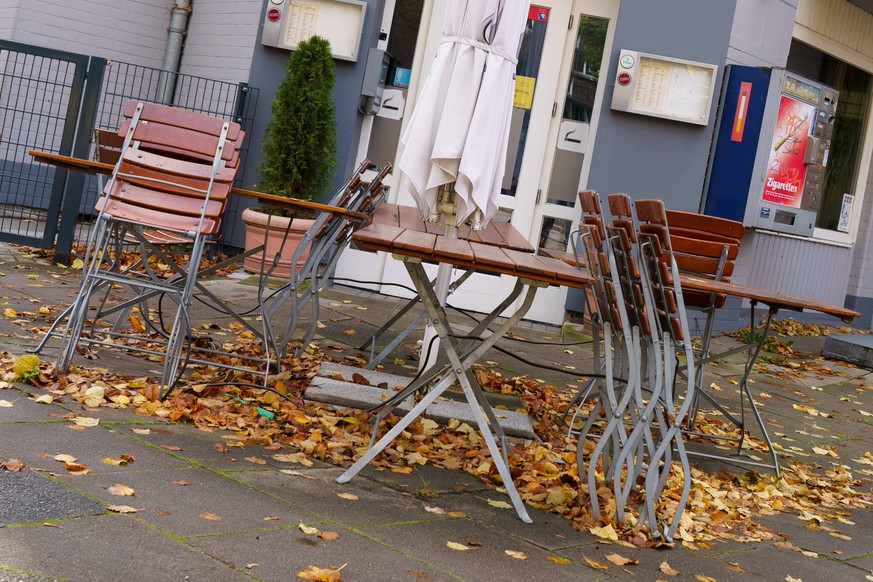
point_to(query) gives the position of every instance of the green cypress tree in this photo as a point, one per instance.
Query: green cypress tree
(299, 146)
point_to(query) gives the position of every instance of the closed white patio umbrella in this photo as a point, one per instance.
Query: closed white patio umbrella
(460, 126)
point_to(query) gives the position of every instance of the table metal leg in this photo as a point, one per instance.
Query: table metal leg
(459, 370)
(745, 392)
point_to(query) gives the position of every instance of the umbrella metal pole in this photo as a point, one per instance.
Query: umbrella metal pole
(448, 210)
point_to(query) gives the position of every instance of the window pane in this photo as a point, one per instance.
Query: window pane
(854, 101)
(578, 109)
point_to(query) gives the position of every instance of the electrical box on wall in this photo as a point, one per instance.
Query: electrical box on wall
(664, 87)
(289, 22)
(375, 75)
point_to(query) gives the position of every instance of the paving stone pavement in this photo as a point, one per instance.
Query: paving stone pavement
(203, 514)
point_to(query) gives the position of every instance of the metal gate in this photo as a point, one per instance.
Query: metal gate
(52, 101)
(45, 104)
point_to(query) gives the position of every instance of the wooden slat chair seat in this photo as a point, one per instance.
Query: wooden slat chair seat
(173, 173)
(706, 247)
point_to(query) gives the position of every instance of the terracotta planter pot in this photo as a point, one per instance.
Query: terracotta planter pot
(256, 226)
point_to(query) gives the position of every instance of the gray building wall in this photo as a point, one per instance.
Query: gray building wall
(761, 34)
(268, 69)
(221, 39)
(646, 156)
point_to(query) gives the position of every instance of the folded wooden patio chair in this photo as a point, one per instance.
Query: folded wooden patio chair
(660, 273)
(173, 175)
(323, 245)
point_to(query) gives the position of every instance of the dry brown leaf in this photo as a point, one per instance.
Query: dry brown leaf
(118, 461)
(308, 530)
(171, 448)
(64, 458)
(734, 567)
(620, 560)
(121, 490)
(181, 482)
(606, 532)
(499, 503)
(12, 465)
(122, 508)
(76, 468)
(516, 554)
(299, 458)
(666, 569)
(559, 560)
(321, 574)
(349, 496)
(210, 516)
(141, 431)
(595, 564)
(328, 535)
(702, 578)
(252, 565)
(135, 322)
(457, 546)
(256, 460)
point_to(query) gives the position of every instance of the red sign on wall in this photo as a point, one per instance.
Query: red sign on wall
(538, 13)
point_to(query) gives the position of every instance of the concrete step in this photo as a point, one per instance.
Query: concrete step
(857, 349)
(328, 388)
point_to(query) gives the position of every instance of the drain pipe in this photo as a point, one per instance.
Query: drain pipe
(173, 51)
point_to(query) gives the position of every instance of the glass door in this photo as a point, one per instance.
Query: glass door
(555, 210)
(557, 99)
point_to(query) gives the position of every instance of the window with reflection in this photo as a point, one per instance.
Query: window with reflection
(853, 105)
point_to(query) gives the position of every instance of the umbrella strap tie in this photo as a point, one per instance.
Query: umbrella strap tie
(482, 46)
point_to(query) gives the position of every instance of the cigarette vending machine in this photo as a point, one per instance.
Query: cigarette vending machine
(773, 137)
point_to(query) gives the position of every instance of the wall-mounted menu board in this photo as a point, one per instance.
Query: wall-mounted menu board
(664, 87)
(289, 22)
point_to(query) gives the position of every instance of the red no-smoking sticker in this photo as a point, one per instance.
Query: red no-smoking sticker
(624, 79)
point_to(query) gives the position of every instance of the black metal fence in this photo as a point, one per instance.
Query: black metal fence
(41, 92)
(52, 101)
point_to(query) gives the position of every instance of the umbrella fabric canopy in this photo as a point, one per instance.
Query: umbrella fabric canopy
(460, 127)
